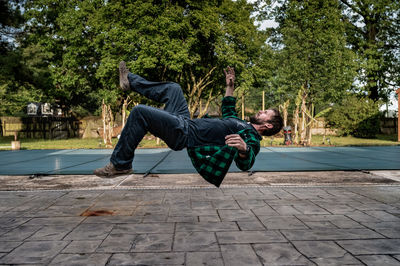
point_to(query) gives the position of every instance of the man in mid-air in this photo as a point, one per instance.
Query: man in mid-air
(212, 143)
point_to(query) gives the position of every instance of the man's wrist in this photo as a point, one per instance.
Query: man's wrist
(229, 91)
(245, 151)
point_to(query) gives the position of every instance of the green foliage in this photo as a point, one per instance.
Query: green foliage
(10, 18)
(160, 40)
(373, 32)
(16, 98)
(18, 83)
(312, 51)
(356, 116)
(17, 86)
(260, 78)
(69, 50)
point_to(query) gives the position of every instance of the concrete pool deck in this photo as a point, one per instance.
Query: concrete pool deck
(321, 218)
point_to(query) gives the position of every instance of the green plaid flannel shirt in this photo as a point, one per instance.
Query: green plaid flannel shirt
(213, 162)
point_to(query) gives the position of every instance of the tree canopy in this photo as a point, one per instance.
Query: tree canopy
(161, 40)
(373, 32)
(67, 52)
(313, 51)
(18, 78)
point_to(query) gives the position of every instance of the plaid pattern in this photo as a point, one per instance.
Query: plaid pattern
(228, 107)
(213, 162)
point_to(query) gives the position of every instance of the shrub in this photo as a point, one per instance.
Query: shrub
(356, 116)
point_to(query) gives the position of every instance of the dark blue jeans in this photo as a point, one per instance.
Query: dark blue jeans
(170, 124)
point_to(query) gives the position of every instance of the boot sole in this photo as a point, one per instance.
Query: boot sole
(115, 175)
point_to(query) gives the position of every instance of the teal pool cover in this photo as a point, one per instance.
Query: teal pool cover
(166, 161)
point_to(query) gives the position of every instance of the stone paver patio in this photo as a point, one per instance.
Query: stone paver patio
(248, 225)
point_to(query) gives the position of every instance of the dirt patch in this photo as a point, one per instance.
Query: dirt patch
(97, 213)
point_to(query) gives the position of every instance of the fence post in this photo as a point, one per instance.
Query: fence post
(398, 114)
(263, 100)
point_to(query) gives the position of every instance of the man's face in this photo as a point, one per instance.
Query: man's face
(262, 117)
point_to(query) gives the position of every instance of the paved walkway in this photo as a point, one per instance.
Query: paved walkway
(264, 225)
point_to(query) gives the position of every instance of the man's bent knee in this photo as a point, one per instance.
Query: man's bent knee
(138, 109)
(138, 112)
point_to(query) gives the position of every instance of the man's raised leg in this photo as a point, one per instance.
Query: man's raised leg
(142, 119)
(169, 93)
(170, 125)
(171, 128)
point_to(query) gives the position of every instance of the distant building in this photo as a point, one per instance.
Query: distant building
(33, 108)
(43, 109)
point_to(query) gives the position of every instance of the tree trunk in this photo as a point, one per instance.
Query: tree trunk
(124, 107)
(196, 88)
(110, 127)
(296, 125)
(103, 117)
(297, 121)
(283, 108)
(310, 123)
(303, 120)
(108, 124)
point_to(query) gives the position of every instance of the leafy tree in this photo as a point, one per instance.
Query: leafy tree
(260, 81)
(373, 30)
(59, 29)
(161, 40)
(18, 84)
(312, 52)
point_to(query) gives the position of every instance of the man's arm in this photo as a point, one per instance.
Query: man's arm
(229, 102)
(248, 149)
(233, 140)
(230, 81)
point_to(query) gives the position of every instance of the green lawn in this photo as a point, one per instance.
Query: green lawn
(73, 143)
(317, 140)
(150, 142)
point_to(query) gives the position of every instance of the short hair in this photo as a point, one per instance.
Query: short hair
(277, 124)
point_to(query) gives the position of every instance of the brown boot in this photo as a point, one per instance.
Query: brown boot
(109, 171)
(123, 76)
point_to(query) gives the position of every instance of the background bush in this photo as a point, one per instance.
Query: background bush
(356, 116)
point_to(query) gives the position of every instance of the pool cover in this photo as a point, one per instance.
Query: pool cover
(166, 161)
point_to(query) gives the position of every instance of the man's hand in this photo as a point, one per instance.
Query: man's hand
(230, 80)
(234, 140)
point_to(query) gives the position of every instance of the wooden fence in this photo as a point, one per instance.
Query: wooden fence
(40, 127)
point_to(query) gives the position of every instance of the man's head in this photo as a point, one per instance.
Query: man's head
(268, 122)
